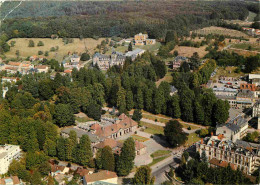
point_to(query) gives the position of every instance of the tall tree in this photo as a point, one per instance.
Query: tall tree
(84, 152)
(105, 159)
(130, 47)
(174, 133)
(137, 116)
(125, 162)
(143, 175)
(63, 115)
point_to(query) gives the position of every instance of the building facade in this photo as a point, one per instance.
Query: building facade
(221, 152)
(142, 39)
(234, 129)
(104, 62)
(7, 154)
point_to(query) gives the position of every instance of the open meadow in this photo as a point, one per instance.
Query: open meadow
(78, 46)
(221, 31)
(187, 51)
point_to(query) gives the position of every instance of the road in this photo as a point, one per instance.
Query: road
(159, 170)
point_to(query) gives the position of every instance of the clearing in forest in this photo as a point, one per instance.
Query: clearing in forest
(78, 46)
(221, 31)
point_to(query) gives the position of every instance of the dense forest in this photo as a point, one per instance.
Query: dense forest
(106, 19)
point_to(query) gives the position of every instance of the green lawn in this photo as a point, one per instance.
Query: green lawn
(139, 138)
(245, 46)
(152, 129)
(251, 16)
(85, 119)
(160, 153)
(124, 48)
(158, 160)
(164, 120)
(192, 138)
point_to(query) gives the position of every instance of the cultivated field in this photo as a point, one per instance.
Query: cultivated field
(221, 31)
(188, 51)
(77, 46)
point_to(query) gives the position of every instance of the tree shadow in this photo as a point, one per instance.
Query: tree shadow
(160, 139)
(127, 181)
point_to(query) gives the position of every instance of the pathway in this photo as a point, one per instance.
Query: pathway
(191, 124)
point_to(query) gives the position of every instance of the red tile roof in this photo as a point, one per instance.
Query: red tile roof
(107, 142)
(139, 145)
(123, 123)
(82, 172)
(220, 163)
(16, 180)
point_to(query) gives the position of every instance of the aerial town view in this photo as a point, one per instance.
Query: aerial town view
(107, 92)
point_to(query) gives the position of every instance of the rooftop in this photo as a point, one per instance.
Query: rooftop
(80, 133)
(99, 176)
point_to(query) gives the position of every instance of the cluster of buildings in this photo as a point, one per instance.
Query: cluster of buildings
(104, 62)
(23, 68)
(63, 174)
(228, 148)
(107, 132)
(239, 94)
(252, 31)
(74, 62)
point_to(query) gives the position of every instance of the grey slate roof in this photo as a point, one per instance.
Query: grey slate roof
(80, 133)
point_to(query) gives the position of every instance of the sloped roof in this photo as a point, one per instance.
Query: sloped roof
(105, 131)
(107, 142)
(99, 176)
(139, 145)
(220, 163)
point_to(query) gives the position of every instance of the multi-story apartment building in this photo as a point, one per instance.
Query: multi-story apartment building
(222, 152)
(7, 154)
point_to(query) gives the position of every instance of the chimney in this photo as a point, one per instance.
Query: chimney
(211, 133)
(201, 141)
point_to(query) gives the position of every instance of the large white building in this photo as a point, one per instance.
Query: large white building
(7, 154)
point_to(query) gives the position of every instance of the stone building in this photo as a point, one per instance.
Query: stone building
(104, 62)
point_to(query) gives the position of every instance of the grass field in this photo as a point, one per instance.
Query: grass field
(123, 49)
(166, 120)
(84, 119)
(192, 138)
(159, 159)
(160, 153)
(139, 138)
(251, 16)
(152, 129)
(77, 46)
(188, 51)
(166, 78)
(245, 46)
(221, 31)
